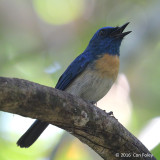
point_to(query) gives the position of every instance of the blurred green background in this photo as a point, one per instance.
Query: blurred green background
(39, 39)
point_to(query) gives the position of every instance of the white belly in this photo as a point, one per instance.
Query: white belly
(90, 86)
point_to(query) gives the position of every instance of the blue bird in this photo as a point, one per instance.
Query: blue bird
(89, 76)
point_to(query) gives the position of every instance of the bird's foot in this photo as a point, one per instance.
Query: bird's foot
(93, 102)
(109, 113)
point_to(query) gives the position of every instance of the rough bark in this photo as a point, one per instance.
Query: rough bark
(91, 125)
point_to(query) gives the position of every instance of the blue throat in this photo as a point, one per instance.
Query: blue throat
(97, 51)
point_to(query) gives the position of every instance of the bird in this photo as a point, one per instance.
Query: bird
(90, 76)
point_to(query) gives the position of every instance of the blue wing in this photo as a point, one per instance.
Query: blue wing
(73, 70)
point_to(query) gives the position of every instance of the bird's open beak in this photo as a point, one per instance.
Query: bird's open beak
(118, 33)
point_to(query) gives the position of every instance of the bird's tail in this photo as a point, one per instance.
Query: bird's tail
(31, 135)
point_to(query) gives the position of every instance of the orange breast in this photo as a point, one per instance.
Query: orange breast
(108, 66)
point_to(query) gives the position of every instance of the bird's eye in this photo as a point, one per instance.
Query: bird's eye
(102, 33)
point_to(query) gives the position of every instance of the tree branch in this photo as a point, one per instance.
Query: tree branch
(91, 125)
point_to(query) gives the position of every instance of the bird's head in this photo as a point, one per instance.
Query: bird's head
(107, 40)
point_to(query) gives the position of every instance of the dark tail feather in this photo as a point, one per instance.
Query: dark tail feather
(31, 135)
